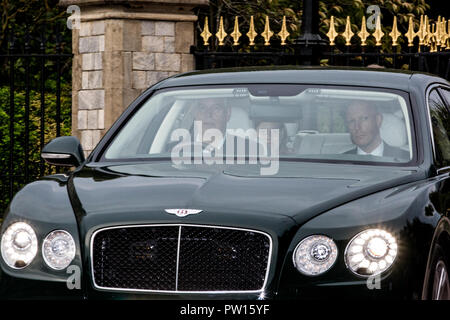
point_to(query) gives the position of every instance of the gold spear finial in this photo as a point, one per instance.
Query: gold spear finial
(422, 32)
(444, 34)
(448, 34)
(221, 34)
(426, 41)
(363, 34)
(251, 34)
(378, 34)
(410, 34)
(332, 34)
(283, 34)
(432, 38)
(348, 34)
(205, 33)
(267, 34)
(438, 32)
(394, 34)
(236, 34)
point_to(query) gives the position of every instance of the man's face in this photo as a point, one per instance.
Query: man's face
(212, 114)
(364, 125)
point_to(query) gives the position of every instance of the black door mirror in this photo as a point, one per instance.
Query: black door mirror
(63, 151)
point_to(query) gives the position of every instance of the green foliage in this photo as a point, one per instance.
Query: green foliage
(33, 15)
(34, 144)
(35, 18)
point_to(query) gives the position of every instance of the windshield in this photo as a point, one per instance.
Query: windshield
(227, 124)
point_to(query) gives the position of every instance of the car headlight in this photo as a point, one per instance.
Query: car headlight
(19, 245)
(315, 255)
(58, 249)
(371, 252)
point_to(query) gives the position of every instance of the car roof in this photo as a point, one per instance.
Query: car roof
(366, 77)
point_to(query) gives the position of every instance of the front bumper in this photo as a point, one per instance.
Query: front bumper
(20, 289)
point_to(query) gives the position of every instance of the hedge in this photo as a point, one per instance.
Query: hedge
(34, 145)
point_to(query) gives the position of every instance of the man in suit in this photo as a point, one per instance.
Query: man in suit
(212, 137)
(212, 114)
(364, 123)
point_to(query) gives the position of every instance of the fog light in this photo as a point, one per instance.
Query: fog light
(371, 252)
(58, 249)
(315, 255)
(19, 245)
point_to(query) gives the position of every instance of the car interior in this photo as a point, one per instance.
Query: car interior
(313, 119)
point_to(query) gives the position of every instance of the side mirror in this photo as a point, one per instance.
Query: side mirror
(63, 151)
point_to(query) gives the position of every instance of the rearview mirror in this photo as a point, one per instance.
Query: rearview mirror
(63, 151)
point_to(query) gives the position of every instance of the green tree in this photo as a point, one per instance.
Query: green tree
(32, 14)
(20, 141)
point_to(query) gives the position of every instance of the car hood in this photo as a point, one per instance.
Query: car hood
(139, 192)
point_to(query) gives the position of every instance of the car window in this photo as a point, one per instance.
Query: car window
(285, 121)
(446, 95)
(440, 119)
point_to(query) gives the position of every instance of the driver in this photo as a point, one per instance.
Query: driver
(212, 114)
(364, 123)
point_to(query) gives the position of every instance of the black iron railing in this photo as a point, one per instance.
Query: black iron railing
(425, 47)
(432, 62)
(35, 105)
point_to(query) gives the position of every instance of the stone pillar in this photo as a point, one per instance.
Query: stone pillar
(120, 49)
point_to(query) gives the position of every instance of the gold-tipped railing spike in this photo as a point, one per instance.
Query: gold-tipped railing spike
(394, 34)
(378, 34)
(205, 33)
(410, 35)
(433, 35)
(448, 35)
(422, 31)
(432, 38)
(251, 34)
(236, 34)
(283, 34)
(438, 32)
(332, 34)
(348, 34)
(363, 34)
(427, 31)
(442, 32)
(444, 35)
(267, 34)
(221, 34)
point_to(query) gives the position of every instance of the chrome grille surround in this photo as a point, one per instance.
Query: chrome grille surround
(260, 290)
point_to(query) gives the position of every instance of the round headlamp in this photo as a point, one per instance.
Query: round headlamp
(315, 255)
(58, 249)
(19, 245)
(371, 252)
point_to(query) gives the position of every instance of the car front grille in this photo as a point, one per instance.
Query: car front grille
(180, 258)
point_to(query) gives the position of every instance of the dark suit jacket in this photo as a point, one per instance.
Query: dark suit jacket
(389, 151)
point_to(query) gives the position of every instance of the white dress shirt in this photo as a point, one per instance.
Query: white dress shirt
(378, 151)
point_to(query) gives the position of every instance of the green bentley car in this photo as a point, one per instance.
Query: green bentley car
(261, 183)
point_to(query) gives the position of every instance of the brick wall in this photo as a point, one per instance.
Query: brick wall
(119, 51)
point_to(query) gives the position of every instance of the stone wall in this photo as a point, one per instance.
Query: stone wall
(121, 50)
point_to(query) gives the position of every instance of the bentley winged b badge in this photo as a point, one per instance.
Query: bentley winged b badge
(182, 212)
